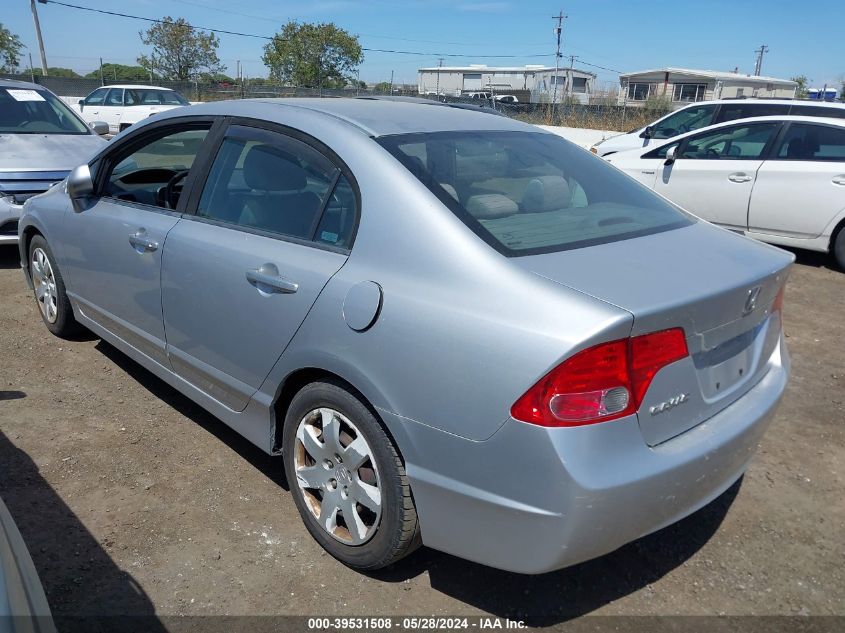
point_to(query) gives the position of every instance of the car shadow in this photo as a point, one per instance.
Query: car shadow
(269, 466)
(555, 597)
(85, 589)
(542, 600)
(812, 258)
(9, 257)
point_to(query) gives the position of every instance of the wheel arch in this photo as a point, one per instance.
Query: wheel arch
(299, 378)
(835, 233)
(29, 232)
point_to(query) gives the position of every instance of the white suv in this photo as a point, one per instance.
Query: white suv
(704, 113)
(121, 106)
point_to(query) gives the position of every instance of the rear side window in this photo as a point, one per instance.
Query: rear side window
(275, 184)
(805, 141)
(730, 143)
(526, 193)
(808, 110)
(746, 110)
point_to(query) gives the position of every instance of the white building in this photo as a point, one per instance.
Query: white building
(684, 85)
(535, 82)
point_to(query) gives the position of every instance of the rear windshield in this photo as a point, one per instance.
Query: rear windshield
(526, 193)
(25, 111)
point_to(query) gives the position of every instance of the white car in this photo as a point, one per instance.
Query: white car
(777, 179)
(506, 99)
(702, 114)
(122, 106)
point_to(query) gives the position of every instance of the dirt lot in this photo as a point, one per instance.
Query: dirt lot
(134, 500)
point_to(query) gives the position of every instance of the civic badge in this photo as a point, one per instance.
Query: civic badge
(751, 300)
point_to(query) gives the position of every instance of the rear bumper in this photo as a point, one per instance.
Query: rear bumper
(532, 499)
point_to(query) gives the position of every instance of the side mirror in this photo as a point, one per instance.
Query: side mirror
(671, 155)
(79, 183)
(81, 103)
(100, 127)
(648, 132)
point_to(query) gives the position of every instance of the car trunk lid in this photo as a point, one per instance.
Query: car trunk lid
(718, 286)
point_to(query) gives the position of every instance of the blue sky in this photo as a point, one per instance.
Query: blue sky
(621, 35)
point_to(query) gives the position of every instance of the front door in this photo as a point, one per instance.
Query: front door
(111, 109)
(114, 260)
(239, 276)
(801, 188)
(714, 172)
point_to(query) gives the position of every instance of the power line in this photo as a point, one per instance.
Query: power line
(267, 37)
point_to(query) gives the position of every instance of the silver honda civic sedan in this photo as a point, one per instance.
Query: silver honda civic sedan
(458, 330)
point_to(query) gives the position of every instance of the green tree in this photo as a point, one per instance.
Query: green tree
(180, 52)
(382, 86)
(801, 90)
(313, 55)
(54, 71)
(10, 50)
(121, 72)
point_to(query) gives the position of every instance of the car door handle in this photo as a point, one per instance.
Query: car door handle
(142, 243)
(268, 279)
(839, 180)
(739, 177)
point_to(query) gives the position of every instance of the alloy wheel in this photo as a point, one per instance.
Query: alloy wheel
(45, 285)
(337, 476)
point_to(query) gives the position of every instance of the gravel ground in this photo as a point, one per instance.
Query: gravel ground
(133, 500)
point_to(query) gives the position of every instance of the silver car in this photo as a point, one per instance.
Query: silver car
(457, 329)
(41, 140)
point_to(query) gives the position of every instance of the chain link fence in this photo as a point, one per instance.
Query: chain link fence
(597, 116)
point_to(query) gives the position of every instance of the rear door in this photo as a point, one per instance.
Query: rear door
(271, 226)
(800, 189)
(715, 171)
(114, 255)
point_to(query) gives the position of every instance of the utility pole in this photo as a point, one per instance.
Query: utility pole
(560, 17)
(391, 82)
(758, 68)
(38, 35)
(102, 80)
(572, 59)
(439, 65)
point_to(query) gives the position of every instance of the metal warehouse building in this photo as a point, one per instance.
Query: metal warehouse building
(536, 81)
(683, 85)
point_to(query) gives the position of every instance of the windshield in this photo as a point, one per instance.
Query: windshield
(526, 193)
(25, 111)
(154, 97)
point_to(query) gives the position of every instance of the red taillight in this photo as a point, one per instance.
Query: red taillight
(600, 383)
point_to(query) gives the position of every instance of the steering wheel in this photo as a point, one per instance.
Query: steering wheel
(170, 188)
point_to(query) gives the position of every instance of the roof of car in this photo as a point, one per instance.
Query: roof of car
(24, 85)
(763, 100)
(375, 117)
(137, 86)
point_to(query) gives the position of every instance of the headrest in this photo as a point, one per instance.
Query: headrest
(488, 206)
(546, 193)
(796, 148)
(267, 168)
(449, 189)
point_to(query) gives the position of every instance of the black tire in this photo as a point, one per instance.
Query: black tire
(65, 324)
(838, 248)
(396, 533)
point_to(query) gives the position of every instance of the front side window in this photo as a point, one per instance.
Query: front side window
(805, 141)
(28, 111)
(685, 120)
(153, 174)
(640, 92)
(279, 185)
(737, 142)
(97, 97)
(115, 97)
(526, 193)
(689, 92)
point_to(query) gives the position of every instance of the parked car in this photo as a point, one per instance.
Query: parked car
(41, 140)
(122, 106)
(506, 99)
(478, 95)
(457, 329)
(776, 179)
(23, 605)
(705, 113)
